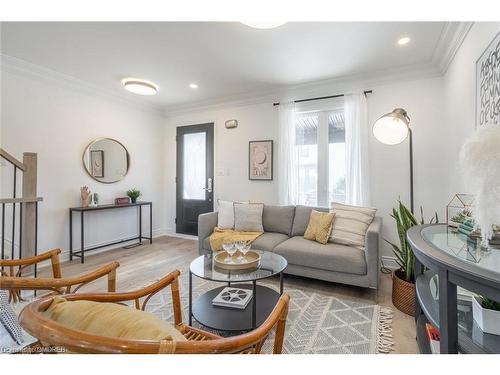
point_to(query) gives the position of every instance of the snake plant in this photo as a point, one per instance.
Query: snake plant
(405, 258)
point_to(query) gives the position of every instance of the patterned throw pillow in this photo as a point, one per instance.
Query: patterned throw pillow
(351, 224)
(319, 227)
(8, 318)
(248, 217)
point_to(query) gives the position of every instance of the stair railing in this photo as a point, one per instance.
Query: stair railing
(28, 208)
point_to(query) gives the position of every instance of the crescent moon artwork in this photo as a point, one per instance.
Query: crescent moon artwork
(260, 160)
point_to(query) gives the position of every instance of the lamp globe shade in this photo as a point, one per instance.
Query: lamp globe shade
(392, 128)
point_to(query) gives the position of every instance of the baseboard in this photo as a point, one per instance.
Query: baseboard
(389, 262)
(159, 232)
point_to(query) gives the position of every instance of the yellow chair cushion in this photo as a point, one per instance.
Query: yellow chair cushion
(319, 227)
(111, 319)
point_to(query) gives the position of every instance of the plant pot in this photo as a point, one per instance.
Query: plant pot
(133, 200)
(488, 320)
(403, 293)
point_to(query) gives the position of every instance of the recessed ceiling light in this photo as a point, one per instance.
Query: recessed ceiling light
(193, 85)
(263, 24)
(404, 41)
(139, 86)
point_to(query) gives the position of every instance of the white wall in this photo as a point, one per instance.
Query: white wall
(389, 164)
(41, 116)
(460, 94)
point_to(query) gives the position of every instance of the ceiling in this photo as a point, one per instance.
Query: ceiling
(225, 59)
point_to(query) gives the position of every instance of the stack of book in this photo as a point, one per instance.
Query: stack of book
(466, 227)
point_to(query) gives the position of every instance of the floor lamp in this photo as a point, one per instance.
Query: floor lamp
(392, 129)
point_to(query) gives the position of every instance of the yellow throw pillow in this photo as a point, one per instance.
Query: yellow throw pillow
(112, 320)
(319, 227)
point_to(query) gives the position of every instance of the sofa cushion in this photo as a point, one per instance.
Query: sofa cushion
(278, 219)
(301, 219)
(266, 241)
(330, 257)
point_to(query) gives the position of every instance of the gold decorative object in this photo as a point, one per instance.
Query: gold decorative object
(250, 260)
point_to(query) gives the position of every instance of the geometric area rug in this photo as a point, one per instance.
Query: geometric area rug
(317, 323)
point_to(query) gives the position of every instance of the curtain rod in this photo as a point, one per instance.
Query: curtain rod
(324, 97)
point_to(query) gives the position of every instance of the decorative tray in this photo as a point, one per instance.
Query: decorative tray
(238, 261)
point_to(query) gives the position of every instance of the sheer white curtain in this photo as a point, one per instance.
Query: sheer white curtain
(288, 159)
(356, 138)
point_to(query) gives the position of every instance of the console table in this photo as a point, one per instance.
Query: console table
(458, 261)
(82, 210)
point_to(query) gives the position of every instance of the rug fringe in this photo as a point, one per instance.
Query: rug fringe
(385, 342)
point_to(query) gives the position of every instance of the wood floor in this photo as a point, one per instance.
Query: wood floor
(145, 263)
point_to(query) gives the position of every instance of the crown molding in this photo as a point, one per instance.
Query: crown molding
(331, 86)
(452, 37)
(450, 40)
(20, 67)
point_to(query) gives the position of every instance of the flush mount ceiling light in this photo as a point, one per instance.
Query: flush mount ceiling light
(193, 85)
(263, 24)
(139, 86)
(404, 41)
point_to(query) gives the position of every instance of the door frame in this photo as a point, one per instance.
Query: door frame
(207, 127)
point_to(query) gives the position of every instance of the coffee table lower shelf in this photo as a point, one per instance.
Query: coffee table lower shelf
(232, 319)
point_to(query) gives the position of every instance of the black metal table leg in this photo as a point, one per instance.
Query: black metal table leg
(151, 223)
(447, 314)
(254, 305)
(281, 283)
(70, 235)
(190, 298)
(82, 238)
(140, 224)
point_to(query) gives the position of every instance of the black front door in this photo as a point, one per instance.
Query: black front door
(195, 175)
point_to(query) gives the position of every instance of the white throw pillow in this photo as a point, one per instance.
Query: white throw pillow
(225, 219)
(351, 224)
(248, 217)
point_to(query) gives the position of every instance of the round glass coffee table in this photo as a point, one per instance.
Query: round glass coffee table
(229, 318)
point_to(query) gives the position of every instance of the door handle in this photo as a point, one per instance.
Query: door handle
(208, 189)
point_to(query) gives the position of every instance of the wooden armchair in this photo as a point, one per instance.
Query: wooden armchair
(14, 281)
(51, 333)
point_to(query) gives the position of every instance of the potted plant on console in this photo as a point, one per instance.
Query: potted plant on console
(133, 194)
(403, 279)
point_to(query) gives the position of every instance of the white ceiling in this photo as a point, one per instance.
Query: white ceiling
(225, 59)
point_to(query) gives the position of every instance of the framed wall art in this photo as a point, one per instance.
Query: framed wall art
(488, 85)
(260, 160)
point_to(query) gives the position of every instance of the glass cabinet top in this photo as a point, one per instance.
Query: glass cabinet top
(462, 247)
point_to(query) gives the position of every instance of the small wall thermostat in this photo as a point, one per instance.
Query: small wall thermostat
(230, 124)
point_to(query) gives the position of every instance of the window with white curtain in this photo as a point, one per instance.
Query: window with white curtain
(320, 143)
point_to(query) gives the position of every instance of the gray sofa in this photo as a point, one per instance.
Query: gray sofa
(284, 228)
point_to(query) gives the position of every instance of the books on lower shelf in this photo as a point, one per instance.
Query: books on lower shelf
(233, 297)
(433, 336)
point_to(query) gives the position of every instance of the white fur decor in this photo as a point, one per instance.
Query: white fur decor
(480, 167)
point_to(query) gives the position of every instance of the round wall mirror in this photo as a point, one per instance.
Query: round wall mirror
(106, 160)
